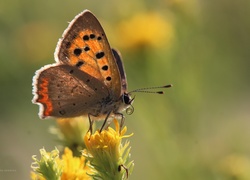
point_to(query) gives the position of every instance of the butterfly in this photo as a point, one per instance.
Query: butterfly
(88, 77)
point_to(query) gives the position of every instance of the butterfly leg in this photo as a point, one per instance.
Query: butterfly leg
(90, 124)
(122, 120)
(124, 167)
(105, 121)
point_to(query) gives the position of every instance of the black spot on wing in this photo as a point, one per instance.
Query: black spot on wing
(108, 78)
(100, 55)
(105, 67)
(86, 48)
(79, 63)
(77, 51)
(85, 37)
(62, 112)
(92, 36)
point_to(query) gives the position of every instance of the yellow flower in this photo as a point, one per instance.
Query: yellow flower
(54, 168)
(145, 29)
(35, 176)
(107, 155)
(235, 166)
(71, 132)
(74, 167)
(187, 8)
(48, 167)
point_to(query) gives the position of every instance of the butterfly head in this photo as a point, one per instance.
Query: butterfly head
(127, 100)
(126, 103)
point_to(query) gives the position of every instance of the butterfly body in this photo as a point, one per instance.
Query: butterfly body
(88, 77)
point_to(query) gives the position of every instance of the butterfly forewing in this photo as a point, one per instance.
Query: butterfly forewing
(84, 45)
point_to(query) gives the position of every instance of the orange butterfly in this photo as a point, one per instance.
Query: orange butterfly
(88, 77)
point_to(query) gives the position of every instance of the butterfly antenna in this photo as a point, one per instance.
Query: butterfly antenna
(148, 89)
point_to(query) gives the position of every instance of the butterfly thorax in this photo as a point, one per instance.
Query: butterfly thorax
(111, 106)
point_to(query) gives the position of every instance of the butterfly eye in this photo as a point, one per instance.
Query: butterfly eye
(127, 99)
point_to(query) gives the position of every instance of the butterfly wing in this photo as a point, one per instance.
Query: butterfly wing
(66, 91)
(120, 65)
(84, 45)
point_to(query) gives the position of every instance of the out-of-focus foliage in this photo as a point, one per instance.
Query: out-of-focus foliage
(199, 129)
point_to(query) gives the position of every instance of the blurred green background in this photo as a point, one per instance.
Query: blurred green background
(199, 129)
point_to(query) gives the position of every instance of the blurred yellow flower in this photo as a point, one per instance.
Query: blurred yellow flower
(107, 155)
(53, 168)
(236, 166)
(145, 29)
(71, 132)
(187, 8)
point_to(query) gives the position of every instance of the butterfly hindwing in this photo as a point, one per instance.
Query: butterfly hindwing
(84, 45)
(120, 65)
(65, 91)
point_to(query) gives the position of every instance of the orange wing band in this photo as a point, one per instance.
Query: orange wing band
(43, 97)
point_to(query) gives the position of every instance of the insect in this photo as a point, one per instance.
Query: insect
(88, 77)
